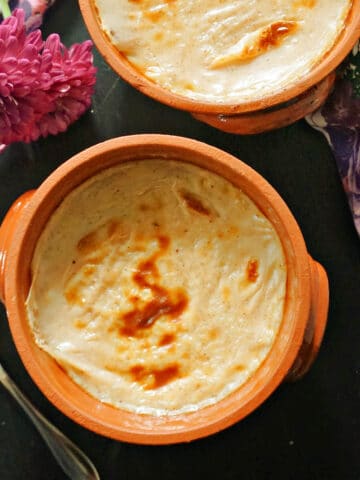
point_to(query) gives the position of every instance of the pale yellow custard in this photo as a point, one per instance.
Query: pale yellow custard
(158, 286)
(223, 51)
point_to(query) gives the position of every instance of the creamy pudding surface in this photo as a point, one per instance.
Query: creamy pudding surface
(223, 51)
(158, 286)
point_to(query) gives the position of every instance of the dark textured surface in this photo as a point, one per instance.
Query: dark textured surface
(306, 430)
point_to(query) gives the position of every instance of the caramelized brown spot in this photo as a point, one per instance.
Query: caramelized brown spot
(189, 86)
(80, 324)
(164, 242)
(93, 249)
(268, 37)
(239, 368)
(144, 208)
(158, 36)
(89, 270)
(257, 347)
(136, 247)
(213, 333)
(144, 317)
(96, 259)
(93, 242)
(252, 270)
(112, 228)
(194, 203)
(305, 3)
(110, 281)
(154, 15)
(88, 243)
(275, 33)
(226, 293)
(143, 314)
(78, 370)
(114, 369)
(233, 230)
(89, 310)
(170, 302)
(72, 295)
(152, 378)
(139, 237)
(121, 348)
(167, 339)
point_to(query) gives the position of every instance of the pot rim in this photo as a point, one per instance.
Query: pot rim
(345, 42)
(51, 378)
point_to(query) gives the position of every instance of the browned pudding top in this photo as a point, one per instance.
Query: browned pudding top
(227, 51)
(158, 286)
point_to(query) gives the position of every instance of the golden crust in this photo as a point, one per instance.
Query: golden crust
(158, 286)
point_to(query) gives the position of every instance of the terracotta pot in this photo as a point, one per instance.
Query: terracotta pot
(295, 346)
(283, 108)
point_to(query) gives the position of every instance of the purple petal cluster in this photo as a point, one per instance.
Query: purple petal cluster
(44, 87)
(339, 120)
(34, 11)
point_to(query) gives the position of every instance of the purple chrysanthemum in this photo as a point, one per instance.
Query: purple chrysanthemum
(339, 120)
(43, 86)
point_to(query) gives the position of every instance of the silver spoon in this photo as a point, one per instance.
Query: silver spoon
(71, 459)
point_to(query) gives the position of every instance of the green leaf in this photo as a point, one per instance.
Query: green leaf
(5, 9)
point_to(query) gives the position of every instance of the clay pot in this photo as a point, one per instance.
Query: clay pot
(295, 346)
(278, 110)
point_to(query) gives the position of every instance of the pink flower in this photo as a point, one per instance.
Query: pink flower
(43, 86)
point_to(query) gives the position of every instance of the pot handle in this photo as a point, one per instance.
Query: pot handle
(7, 229)
(275, 117)
(315, 328)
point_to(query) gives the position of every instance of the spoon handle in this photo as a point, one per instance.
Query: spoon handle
(71, 459)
